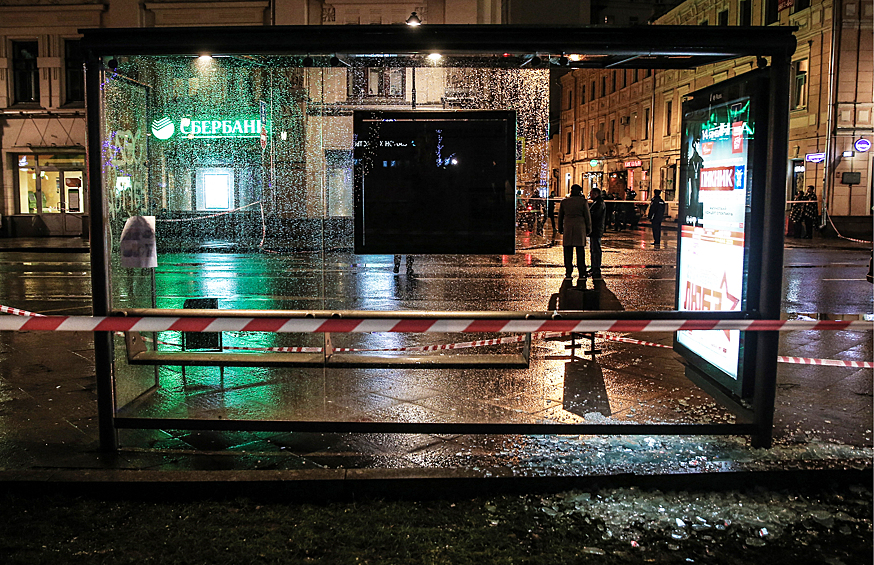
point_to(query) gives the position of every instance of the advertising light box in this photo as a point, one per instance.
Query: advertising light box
(722, 176)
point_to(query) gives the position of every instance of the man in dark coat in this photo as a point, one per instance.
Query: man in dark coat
(598, 212)
(656, 214)
(574, 223)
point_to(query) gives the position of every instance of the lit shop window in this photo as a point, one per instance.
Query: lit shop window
(215, 189)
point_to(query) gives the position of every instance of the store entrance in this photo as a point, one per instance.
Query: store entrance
(53, 193)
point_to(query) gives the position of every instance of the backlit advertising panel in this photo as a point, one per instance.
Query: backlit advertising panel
(722, 169)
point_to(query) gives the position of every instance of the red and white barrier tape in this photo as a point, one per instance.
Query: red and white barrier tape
(460, 345)
(780, 358)
(445, 346)
(365, 325)
(17, 312)
(839, 233)
(826, 362)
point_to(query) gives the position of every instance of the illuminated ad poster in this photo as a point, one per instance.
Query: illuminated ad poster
(719, 133)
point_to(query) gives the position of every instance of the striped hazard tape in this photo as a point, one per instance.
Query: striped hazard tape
(17, 312)
(368, 325)
(780, 358)
(31, 321)
(826, 362)
(520, 338)
(843, 236)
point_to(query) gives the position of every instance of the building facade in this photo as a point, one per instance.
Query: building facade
(621, 128)
(43, 187)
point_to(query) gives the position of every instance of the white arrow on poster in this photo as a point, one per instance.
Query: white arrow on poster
(137, 246)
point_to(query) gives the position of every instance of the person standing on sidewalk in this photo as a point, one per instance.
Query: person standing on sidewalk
(598, 213)
(574, 223)
(809, 212)
(656, 214)
(796, 215)
(550, 211)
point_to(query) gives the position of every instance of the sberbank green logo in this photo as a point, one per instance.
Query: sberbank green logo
(163, 128)
(191, 128)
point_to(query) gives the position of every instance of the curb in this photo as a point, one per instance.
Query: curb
(351, 484)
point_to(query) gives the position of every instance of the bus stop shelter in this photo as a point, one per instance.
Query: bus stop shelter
(255, 125)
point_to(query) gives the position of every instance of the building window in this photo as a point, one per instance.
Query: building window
(771, 12)
(645, 124)
(798, 98)
(570, 140)
(746, 14)
(613, 82)
(592, 138)
(669, 115)
(633, 76)
(377, 82)
(74, 74)
(612, 131)
(647, 73)
(25, 72)
(800, 5)
(603, 86)
(704, 23)
(582, 95)
(722, 18)
(593, 91)
(582, 138)
(570, 99)
(624, 81)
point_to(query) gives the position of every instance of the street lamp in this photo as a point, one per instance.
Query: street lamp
(414, 20)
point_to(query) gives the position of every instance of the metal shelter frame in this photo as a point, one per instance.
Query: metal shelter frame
(499, 46)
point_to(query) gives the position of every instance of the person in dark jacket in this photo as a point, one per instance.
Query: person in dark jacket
(656, 214)
(810, 212)
(574, 223)
(796, 215)
(550, 210)
(598, 212)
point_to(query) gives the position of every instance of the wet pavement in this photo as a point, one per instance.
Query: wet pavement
(48, 420)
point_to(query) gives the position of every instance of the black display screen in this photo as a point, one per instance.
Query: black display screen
(429, 182)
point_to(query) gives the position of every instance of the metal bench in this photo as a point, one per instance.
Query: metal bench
(138, 353)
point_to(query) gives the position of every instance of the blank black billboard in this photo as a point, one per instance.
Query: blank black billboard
(434, 182)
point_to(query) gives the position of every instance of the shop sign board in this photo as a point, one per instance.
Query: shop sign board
(632, 164)
(862, 145)
(814, 157)
(165, 128)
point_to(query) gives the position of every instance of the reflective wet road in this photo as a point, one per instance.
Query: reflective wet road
(630, 383)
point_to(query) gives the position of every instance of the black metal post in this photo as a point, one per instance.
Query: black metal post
(100, 286)
(771, 286)
(414, 87)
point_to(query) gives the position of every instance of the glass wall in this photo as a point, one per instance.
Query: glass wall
(253, 155)
(246, 165)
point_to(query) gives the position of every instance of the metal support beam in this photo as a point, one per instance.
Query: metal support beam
(431, 427)
(771, 285)
(100, 242)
